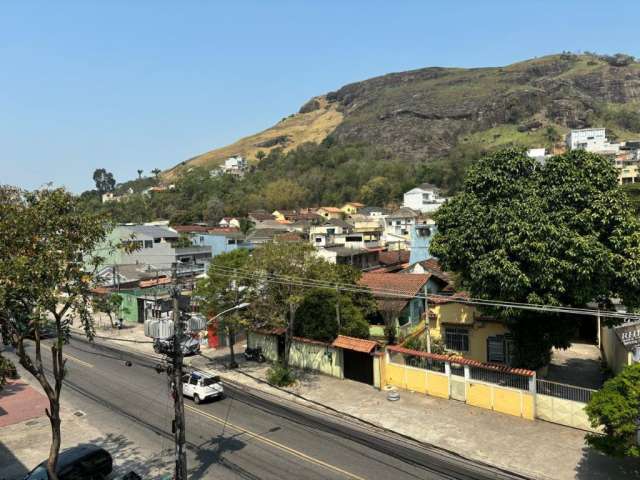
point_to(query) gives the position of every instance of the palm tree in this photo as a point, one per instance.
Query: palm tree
(139, 174)
(156, 172)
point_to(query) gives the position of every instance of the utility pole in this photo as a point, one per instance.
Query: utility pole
(426, 321)
(176, 372)
(338, 308)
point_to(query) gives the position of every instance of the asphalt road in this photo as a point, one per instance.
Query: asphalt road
(247, 435)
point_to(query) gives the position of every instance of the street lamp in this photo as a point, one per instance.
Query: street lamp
(232, 364)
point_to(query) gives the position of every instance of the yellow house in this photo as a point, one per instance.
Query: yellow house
(465, 331)
(332, 213)
(351, 208)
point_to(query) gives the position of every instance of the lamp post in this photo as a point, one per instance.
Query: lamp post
(240, 306)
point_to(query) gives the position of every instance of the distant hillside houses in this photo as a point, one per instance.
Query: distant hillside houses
(624, 155)
(236, 165)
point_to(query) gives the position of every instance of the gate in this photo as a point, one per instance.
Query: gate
(358, 366)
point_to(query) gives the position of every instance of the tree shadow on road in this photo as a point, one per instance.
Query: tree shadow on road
(127, 457)
(597, 466)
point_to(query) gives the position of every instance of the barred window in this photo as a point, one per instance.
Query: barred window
(457, 338)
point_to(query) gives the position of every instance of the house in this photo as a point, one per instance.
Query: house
(399, 300)
(220, 239)
(127, 276)
(465, 331)
(431, 266)
(260, 236)
(589, 139)
(398, 226)
(284, 215)
(259, 216)
(376, 212)
(331, 213)
(323, 233)
(360, 258)
(424, 198)
(110, 197)
(235, 165)
(421, 236)
(538, 154)
(351, 208)
(229, 222)
(154, 246)
(392, 261)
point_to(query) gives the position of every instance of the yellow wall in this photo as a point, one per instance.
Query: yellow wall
(511, 401)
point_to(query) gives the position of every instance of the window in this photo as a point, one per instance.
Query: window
(496, 352)
(148, 244)
(318, 239)
(231, 241)
(353, 238)
(457, 339)
(156, 240)
(331, 231)
(193, 381)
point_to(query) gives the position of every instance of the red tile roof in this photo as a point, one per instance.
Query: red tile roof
(356, 344)
(331, 209)
(393, 290)
(191, 228)
(152, 282)
(462, 361)
(394, 257)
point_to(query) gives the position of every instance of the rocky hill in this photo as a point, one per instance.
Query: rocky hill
(422, 114)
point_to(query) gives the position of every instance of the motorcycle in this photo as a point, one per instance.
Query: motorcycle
(254, 354)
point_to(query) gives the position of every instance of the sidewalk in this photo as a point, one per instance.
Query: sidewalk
(534, 448)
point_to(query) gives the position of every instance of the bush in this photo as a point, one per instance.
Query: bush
(419, 342)
(280, 376)
(7, 370)
(616, 408)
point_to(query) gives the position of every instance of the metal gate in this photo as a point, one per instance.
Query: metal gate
(358, 366)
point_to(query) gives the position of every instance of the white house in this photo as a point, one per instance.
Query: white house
(591, 140)
(232, 166)
(423, 198)
(229, 222)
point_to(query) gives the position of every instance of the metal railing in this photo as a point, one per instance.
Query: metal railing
(562, 390)
(500, 378)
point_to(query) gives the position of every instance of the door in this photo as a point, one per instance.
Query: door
(358, 366)
(187, 389)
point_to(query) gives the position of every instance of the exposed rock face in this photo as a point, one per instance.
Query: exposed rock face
(422, 113)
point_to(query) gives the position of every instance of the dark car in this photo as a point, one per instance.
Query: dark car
(48, 330)
(189, 346)
(86, 462)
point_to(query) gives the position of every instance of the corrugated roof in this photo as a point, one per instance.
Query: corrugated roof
(355, 344)
(154, 231)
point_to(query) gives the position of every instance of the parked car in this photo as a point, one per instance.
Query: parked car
(202, 386)
(88, 462)
(189, 346)
(47, 330)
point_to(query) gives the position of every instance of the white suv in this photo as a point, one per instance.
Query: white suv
(201, 386)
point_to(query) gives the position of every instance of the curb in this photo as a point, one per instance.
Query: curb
(326, 410)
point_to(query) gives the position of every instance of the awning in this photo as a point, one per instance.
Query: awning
(355, 344)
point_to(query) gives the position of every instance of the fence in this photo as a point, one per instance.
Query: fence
(483, 385)
(561, 390)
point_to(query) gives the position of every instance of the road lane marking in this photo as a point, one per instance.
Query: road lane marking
(273, 443)
(77, 360)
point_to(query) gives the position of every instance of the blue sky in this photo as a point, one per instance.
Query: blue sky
(126, 85)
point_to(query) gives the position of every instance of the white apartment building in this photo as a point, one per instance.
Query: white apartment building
(424, 198)
(591, 140)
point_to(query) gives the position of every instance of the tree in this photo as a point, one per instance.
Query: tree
(376, 191)
(104, 181)
(275, 299)
(552, 135)
(140, 173)
(155, 171)
(617, 407)
(111, 304)
(317, 316)
(246, 226)
(558, 234)
(260, 155)
(284, 193)
(46, 246)
(222, 290)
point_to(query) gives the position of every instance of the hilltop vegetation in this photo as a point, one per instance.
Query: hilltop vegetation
(371, 140)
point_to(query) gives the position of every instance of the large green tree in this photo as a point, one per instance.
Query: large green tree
(617, 407)
(104, 181)
(560, 233)
(46, 247)
(223, 289)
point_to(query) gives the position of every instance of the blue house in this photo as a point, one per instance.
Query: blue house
(220, 239)
(420, 240)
